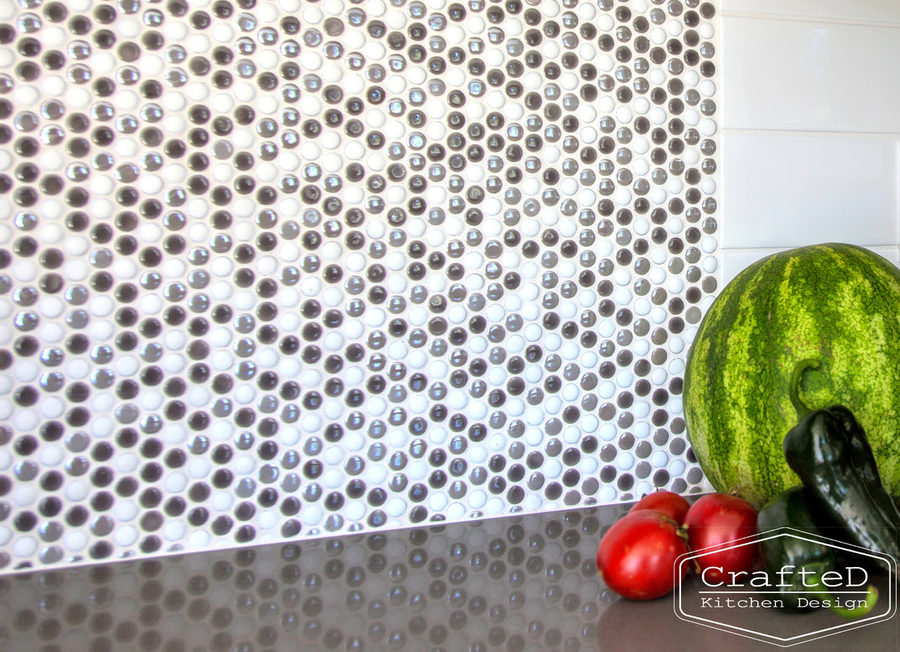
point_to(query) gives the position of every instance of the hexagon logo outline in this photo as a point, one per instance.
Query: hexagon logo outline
(882, 559)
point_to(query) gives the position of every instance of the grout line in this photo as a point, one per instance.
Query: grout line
(742, 131)
(750, 250)
(850, 22)
(720, 194)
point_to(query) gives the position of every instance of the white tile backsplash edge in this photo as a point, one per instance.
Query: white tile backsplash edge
(744, 131)
(810, 19)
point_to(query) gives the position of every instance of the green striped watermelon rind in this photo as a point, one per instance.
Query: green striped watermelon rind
(835, 303)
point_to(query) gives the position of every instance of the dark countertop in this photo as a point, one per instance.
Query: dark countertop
(513, 583)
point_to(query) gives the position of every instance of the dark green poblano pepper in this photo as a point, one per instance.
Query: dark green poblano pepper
(796, 564)
(864, 461)
(829, 450)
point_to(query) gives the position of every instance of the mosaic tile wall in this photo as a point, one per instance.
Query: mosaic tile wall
(277, 270)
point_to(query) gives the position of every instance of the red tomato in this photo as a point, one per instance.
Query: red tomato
(637, 555)
(670, 504)
(717, 520)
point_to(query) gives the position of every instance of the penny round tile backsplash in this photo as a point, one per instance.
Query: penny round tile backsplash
(278, 270)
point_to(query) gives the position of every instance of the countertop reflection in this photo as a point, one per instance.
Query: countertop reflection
(513, 583)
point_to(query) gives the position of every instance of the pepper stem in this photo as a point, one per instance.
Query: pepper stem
(794, 389)
(868, 603)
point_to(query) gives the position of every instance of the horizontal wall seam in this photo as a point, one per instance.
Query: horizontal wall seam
(811, 19)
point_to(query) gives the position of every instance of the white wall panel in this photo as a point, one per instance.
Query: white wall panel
(796, 189)
(797, 75)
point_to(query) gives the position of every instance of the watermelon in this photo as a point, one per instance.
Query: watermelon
(831, 311)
